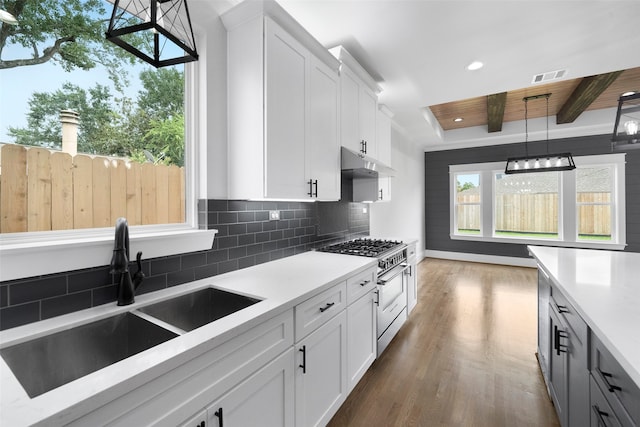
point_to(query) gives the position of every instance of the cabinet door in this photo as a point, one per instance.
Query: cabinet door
(286, 64)
(368, 111)
(198, 420)
(264, 399)
(323, 147)
(321, 380)
(412, 285)
(361, 337)
(558, 374)
(350, 110)
(544, 292)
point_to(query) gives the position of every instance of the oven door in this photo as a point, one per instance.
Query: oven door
(392, 296)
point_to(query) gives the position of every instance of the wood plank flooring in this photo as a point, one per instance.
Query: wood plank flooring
(465, 357)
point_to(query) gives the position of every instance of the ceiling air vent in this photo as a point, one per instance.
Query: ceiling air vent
(549, 76)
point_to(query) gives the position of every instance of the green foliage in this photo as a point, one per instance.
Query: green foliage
(69, 33)
(465, 186)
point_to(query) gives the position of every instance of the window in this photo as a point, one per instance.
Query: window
(580, 208)
(526, 205)
(468, 213)
(133, 117)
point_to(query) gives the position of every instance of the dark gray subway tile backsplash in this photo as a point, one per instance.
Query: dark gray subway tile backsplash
(246, 237)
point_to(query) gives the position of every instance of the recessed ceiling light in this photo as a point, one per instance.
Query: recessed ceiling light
(458, 119)
(475, 65)
(628, 93)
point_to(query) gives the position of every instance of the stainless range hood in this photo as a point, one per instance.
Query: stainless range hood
(360, 176)
(361, 164)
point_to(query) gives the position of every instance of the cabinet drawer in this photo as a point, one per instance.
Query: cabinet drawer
(411, 250)
(360, 284)
(315, 311)
(600, 411)
(619, 389)
(570, 315)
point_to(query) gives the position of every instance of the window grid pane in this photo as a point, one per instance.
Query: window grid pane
(468, 204)
(594, 188)
(526, 206)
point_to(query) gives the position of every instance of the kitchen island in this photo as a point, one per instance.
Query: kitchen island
(282, 286)
(588, 341)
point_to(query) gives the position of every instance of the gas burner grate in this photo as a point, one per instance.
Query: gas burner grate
(362, 247)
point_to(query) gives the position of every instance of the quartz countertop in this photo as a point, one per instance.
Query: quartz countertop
(604, 287)
(280, 285)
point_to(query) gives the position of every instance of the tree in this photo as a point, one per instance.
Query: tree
(43, 121)
(163, 94)
(67, 32)
(465, 186)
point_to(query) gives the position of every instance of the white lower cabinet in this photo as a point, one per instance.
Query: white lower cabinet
(264, 399)
(320, 378)
(361, 338)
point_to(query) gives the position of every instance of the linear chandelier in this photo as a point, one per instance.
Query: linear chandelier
(157, 31)
(540, 163)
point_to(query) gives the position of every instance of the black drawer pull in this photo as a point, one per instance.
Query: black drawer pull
(610, 386)
(377, 292)
(327, 307)
(557, 334)
(562, 308)
(304, 359)
(365, 283)
(600, 414)
(218, 414)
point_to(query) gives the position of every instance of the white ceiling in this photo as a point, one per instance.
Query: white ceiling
(418, 50)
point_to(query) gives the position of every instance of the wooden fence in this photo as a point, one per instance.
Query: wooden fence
(43, 190)
(538, 213)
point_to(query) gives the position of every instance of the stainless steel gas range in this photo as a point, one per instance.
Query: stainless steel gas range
(392, 285)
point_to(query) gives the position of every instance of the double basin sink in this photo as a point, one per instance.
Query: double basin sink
(48, 362)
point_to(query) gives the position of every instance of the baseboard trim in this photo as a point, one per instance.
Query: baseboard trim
(487, 259)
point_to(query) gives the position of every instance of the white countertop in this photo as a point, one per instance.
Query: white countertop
(604, 287)
(280, 284)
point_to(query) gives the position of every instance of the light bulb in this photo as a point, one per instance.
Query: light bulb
(547, 164)
(631, 127)
(537, 164)
(559, 162)
(516, 166)
(526, 164)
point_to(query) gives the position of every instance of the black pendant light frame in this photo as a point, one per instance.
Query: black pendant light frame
(542, 163)
(114, 34)
(622, 140)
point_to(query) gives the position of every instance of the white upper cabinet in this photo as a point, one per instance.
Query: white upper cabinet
(358, 105)
(323, 145)
(383, 138)
(282, 108)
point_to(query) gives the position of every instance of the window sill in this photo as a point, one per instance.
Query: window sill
(29, 254)
(543, 242)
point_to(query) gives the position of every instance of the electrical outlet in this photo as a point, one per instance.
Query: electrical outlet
(274, 215)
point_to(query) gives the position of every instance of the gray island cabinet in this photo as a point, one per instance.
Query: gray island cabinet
(588, 343)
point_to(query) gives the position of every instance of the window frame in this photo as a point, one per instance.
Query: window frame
(30, 254)
(567, 204)
(455, 204)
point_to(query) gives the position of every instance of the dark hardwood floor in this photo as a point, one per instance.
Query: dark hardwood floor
(465, 357)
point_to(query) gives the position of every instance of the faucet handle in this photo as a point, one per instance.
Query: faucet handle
(138, 277)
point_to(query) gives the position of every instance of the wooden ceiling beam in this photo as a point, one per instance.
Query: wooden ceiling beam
(584, 94)
(495, 111)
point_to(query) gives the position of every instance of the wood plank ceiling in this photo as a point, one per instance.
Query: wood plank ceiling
(569, 98)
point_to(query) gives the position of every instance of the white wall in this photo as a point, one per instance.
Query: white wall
(404, 215)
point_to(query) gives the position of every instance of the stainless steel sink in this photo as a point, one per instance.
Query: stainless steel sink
(198, 308)
(48, 362)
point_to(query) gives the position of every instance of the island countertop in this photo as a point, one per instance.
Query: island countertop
(280, 285)
(604, 287)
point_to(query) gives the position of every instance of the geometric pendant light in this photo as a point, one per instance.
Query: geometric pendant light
(157, 31)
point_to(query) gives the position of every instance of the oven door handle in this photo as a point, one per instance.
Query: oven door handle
(392, 274)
